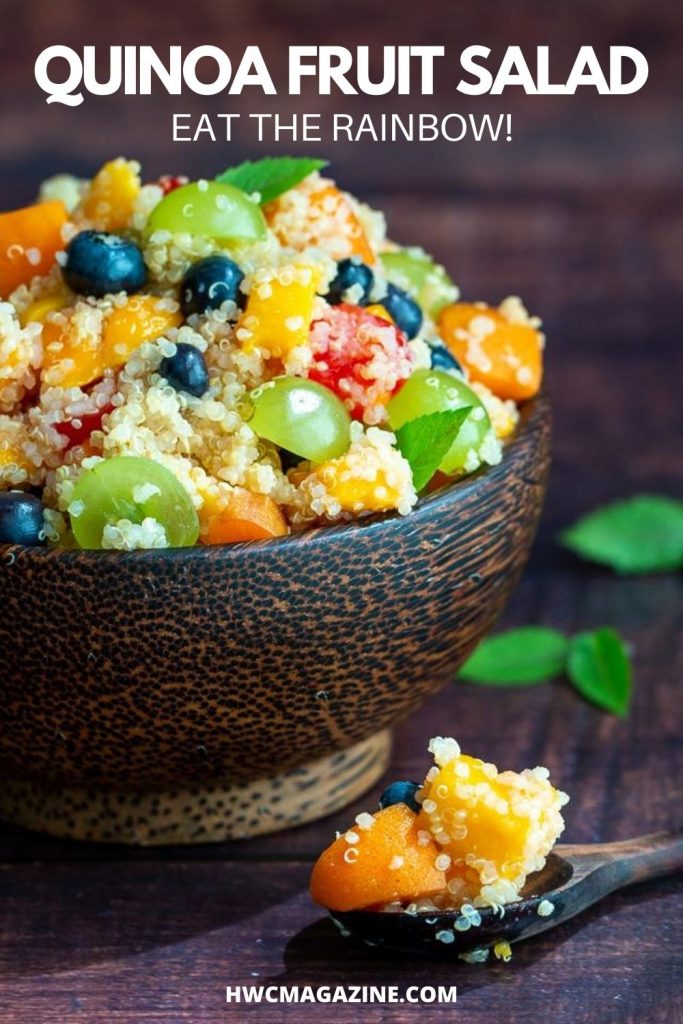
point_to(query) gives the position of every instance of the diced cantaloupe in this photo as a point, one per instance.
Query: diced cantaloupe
(76, 353)
(477, 836)
(318, 214)
(386, 861)
(29, 240)
(504, 355)
(142, 318)
(232, 514)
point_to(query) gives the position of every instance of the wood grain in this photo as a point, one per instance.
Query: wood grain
(235, 662)
(572, 879)
(90, 933)
(582, 215)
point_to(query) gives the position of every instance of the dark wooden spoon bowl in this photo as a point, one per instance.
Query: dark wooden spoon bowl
(155, 669)
(574, 877)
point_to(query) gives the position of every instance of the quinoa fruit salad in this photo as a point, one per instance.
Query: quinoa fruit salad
(206, 362)
(465, 839)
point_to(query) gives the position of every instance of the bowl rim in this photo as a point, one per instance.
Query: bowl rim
(532, 414)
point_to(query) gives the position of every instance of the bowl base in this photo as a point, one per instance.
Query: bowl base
(201, 813)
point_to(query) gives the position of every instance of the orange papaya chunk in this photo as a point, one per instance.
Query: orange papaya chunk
(507, 357)
(67, 360)
(237, 514)
(142, 318)
(74, 359)
(317, 213)
(390, 860)
(29, 240)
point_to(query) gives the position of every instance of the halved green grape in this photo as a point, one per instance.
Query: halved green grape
(301, 416)
(128, 487)
(428, 391)
(418, 274)
(209, 209)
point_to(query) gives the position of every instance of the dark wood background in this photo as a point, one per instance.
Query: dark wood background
(582, 214)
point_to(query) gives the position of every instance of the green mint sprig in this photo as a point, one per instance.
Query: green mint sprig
(531, 654)
(638, 535)
(271, 176)
(424, 441)
(600, 669)
(596, 662)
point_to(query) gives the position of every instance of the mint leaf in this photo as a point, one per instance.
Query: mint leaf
(531, 654)
(638, 535)
(596, 662)
(424, 441)
(600, 668)
(271, 176)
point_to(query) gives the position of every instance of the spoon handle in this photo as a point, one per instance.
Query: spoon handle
(631, 860)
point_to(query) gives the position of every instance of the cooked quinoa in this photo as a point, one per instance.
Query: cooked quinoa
(466, 839)
(91, 366)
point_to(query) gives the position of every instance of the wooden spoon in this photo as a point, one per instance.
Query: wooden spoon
(574, 877)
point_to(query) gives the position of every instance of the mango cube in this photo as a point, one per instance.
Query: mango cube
(279, 310)
(110, 199)
(477, 836)
(497, 827)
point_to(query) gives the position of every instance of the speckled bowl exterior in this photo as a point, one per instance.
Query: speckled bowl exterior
(153, 669)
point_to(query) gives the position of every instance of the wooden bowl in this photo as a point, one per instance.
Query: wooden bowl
(235, 675)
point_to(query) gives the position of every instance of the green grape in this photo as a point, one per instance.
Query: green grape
(213, 210)
(425, 281)
(301, 416)
(115, 489)
(428, 391)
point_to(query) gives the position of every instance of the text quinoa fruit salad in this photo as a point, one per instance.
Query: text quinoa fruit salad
(236, 359)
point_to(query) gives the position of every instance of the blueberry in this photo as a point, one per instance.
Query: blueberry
(98, 263)
(288, 460)
(21, 519)
(441, 358)
(403, 310)
(400, 793)
(350, 273)
(186, 370)
(209, 283)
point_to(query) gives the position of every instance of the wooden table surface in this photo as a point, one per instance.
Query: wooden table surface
(586, 223)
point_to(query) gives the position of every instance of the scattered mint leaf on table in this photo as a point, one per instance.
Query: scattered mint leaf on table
(600, 669)
(425, 440)
(531, 654)
(271, 176)
(595, 661)
(638, 535)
